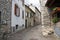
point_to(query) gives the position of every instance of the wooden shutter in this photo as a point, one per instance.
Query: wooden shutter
(17, 10)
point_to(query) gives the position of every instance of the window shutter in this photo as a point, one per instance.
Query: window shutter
(17, 11)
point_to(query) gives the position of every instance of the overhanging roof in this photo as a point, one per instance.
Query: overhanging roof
(29, 8)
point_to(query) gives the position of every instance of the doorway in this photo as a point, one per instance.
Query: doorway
(25, 23)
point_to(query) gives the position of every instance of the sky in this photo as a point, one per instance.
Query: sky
(34, 2)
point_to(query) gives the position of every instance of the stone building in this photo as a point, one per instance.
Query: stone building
(29, 18)
(37, 16)
(44, 14)
(12, 15)
(46, 21)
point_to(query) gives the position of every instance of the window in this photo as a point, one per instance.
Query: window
(27, 14)
(22, 2)
(17, 11)
(16, 26)
(22, 14)
(31, 15)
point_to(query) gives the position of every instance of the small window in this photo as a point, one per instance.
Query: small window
(17, 11)
(31, 15)
(16, 26)
(23, 14)
(27, 14)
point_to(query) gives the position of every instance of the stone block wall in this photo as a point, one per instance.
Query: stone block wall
(5, 9)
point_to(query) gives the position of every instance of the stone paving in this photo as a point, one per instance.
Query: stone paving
(33, 33)
(57, 29)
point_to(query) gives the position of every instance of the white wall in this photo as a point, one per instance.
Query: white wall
(14, 19)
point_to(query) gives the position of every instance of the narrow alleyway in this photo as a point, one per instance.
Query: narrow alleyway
(31, 34)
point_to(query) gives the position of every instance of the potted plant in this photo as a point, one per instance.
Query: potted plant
(55, 20)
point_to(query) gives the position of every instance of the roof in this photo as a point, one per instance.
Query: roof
(29, 8)
(37, 9)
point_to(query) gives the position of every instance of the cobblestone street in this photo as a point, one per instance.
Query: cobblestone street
(31, 34)
(20, 19)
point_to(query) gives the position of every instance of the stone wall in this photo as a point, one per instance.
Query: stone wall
(46, 21)
(5, 8)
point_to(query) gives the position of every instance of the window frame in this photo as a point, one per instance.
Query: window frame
(16, 10)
